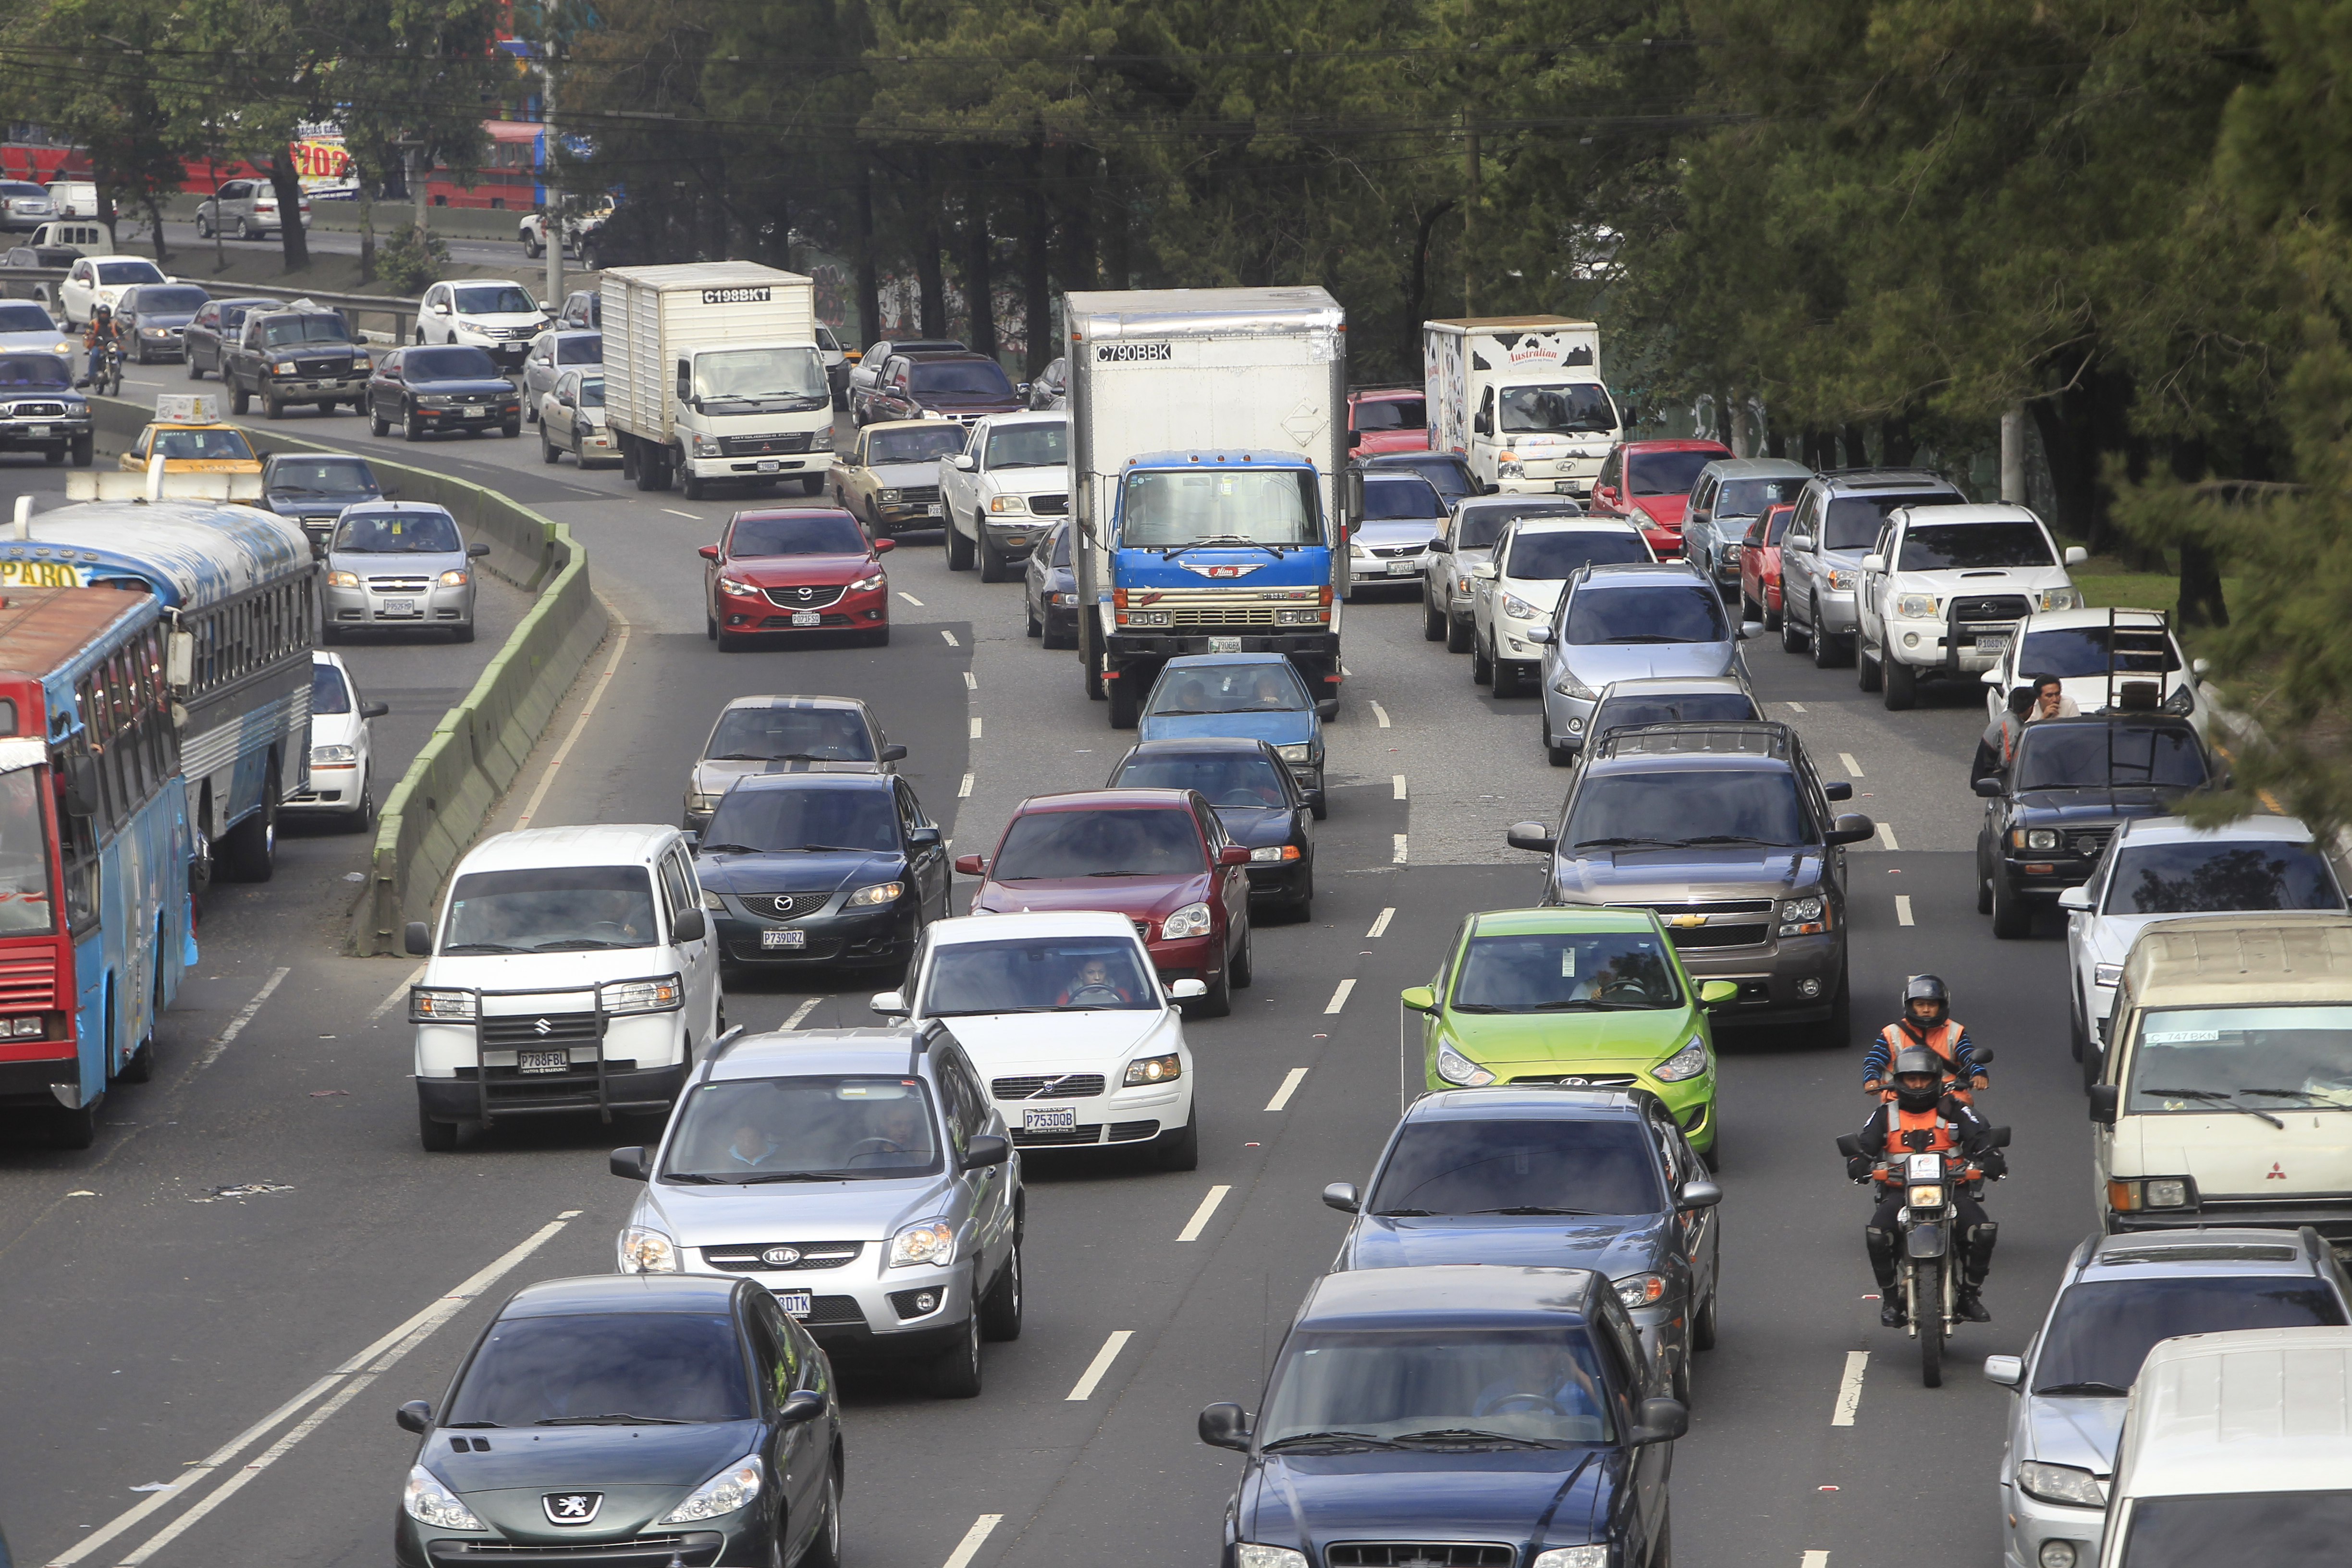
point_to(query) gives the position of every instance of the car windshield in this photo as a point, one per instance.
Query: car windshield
(795, 534)
(1695, 708)
(1340, 1388)
(1561, 408)
(1162, 508)
(816, 1128)
(330, 692)
(202, 446)
(287, 331)
(1853, 520)
(1269, 687)
(1972, 547)
(1477, 527)
(582, 347)
(1671, 473)
(2096, 757)
(1565, 971)
(172, 301)
(765, 734)
(1446, 1167)
(1107, 842)
(2204, 1060)
(2284, 1530)
(2073, 653)
(1448, 474)
(24, 903)
(397, 533)
(456, 363)
(1694, 807)
(499, 299)
(1029, 446)
(684, 1368)
(129, 272)
(1225, 778)
(323, 475)
(965, 377)
(1037, 974)
(791, 376)
(1749, 498)
(1391, 414)
(1553, 555)
(2211, 877)
(553, 908)
(2104, 1329)
(925, 443)
(774, 820)
(1400, 496)
(23, 316)
(1659, 613)
(46, 372)
(592, 392)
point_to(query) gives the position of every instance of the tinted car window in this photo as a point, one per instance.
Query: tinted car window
(45, 370)
(323, 475)
(129, 272)
(454, 363)
(330, 692)
(2104, 1329)
(1973, 546)
(807, 533)
(592, 392)
(586, 1370)
(1749, 498)
(816, 818)
(1494, 1167)
(2075, 652)
(1697, 805)
(1029, 446)
(1560, 409)
(588, 348)
(1391, 414)
(1137, 842)
(1224, 778)
(1478, 527)
(1061, 547)
(983, 378)
(398, 533)
(553, 909)
(924, 443)
(1666, 473)
(1401, 495)
(1448, 474)
(804, 734)
(1853, 520)
(1698, 708)
(1554, 557)
(172, 301)
(295, 330)
(1271, 688)
(506, 300)
(840, 1128)
(2088, 756)
(1036, 975)
(1541, 1385)
(2208, 878)
(1564, 972)
(2295, 1529)
(23, 316)
(1662, 614)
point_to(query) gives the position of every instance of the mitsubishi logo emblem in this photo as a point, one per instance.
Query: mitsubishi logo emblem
(2275, 1174)
(543, 1026)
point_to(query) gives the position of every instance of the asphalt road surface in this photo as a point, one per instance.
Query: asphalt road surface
(245, 1351)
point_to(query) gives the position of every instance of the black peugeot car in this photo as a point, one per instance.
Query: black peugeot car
(634, 1419)
(1456, 1415)
(1257, 797)
(2050, 813)
(819, 867)
(427, 391)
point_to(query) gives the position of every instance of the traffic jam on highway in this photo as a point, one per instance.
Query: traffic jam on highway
(1206, 529)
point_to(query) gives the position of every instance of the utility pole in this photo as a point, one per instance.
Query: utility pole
(2012, 454)
(1470, 176)
(552, 206)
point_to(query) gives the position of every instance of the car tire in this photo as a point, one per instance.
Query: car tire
(1457, 635)
(1902, 686)
(53, 455)
(272, 408)
(1000, 1310)
(812, 484)
(203, 225)
(1433, 620)
(1984, 889)
(1662, 1552)
(1244, 967)
(1824, 648)
(955, 1372)
(1320, 806)
(732, 642)
(1837, 1033)
(1555, 753)
(2013, 917)
(2077, 1039)
(547, 452)
(1179, 1150)
(1868, 672)
(709, 624)
(82, 448)
(377, 425)
(529, 408)
(1702, 1321)
(511, 429)
(1792, 637)
(194, 372)
(249, 852)
(356, 819)
(993, 567)
(878, 637)
(1482, 666)
(244, 229)
(412, 427)
(1217, 1002)
(1508, 680)
(462, 634)
(692, 488)
(1749, 610)
(1031, 624)
(239, 400)
(1091, 672)
(438, 1137)
(1302, 908)
(73, 1128)
(825, 1549)
(959, 549)
(138, 351)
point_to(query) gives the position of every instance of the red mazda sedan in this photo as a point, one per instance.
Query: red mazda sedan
(1157, 856)
(1650, 483)
(791, 571)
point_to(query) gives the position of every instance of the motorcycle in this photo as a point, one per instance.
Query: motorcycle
(1927, 1267)
(108, 381)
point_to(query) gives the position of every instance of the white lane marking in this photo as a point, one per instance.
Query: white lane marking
(1085, 1387)
(910, 598)
(1398, 858)
(1200, 1220)
(1340, 997)
(691, 517)
(1853, 768)
(1903, 909)
(950, 637)
(974, 1538)
(1396, 782)
(1381, 714)
(1848, 1394)
(1290, 1082)
(975, 726)
(228, 1036)
(399, 992)
(1380, 926)
(1796, 708)
(587, 712)
(963, 789)
(1885, 832)
(802, 1011)
(1814, 1560)
(970, 681)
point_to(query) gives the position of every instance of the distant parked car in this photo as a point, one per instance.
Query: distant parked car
(245, 208)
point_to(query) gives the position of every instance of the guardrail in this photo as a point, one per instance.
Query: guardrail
(398, 311)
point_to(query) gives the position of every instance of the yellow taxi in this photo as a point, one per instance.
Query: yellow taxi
(191, 437)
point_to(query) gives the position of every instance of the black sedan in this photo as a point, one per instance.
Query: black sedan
(214, 328)
(630, 1419)
(818, 867)
(313, 487)
(1447, 472)
(1050, 590)
(154, 317)
(427, 391)
(1467, 1410)
(1257, 797)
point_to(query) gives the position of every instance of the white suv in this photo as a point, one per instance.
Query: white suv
(1945, 589)
(1518, 587)
(574, 971)
(492, 313)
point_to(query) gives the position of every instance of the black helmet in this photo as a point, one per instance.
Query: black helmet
(1912, 1061)
(1926, 988)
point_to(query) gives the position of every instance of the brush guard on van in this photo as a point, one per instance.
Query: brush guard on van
(543, 1077)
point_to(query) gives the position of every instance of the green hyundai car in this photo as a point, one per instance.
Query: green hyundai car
(1582, 997)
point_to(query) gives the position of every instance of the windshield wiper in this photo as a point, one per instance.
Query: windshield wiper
(2291, 1094)
(992, 1012)
(1222, 539)
(580, 944)
(762, 757)
(697, 1178)
(1598, 1004)
(618, 1418)
(1470, 1435)
(1621, 843)
(1107, 874)
(729, 849)
(1534, 1209)
(1645, 638)
(2092, 1386)
(1400, 1214)
(1302, 1438)
(453, 1423)
(482, 947)
(759, 1177)
(2216, 1095)
(845, 848)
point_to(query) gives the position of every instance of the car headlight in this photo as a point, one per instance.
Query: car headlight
(342, 579)
(1273, 854)
(1518, 609)
(1639, 1290)
(879, 893)
(329, 756)
(1065, 599)
(164, 332)
(432, 400)
(361, 362)
(1916, 606)
(2061, 1483)
(1008, 503)
(1843, 579)
(866, 584)
(1566, 685)
(428, 1503)
(1511, 470)
(659, 995)
(2043, 838)
(1455, 1067)
(1192, 920)
(2131, 1193)
(2165, 1194)
(1144, 1070)
(724, 1493)
(891, 497)
(284, 367)
(456, 577)
(822, 441)
(1572, 1557)
(932, 1241)
(2182, 700)
(441, 1007)
(647, 1251)
(2107, 975)
(1808, 916)
(1302, 753)
(1248, 1554)
(2058, 599)
(1687, 1063)
(740, 590)
(711, 901)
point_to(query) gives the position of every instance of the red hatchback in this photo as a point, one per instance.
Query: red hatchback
(793, 571)
(1759, 567)
(1650, 482)
(1159, 857)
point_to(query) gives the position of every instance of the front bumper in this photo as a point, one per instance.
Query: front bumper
(1833, 612)
(299, 389)
(1371, 570)
(414, 1546)
(1192, 958)
(496, 413)
(22, 434)
(510, 352)
(856, 1308)
(877, 936)
(2044, 877)
(434, 606)
(763, 615)
(1013, 541)
(793, 465)
(1286, 880)
(2330, 1215)
(635, 1088)
(1567, 716)
(334, 787)
(2031, 1522)
(1120, 1116)
(1691, 1100)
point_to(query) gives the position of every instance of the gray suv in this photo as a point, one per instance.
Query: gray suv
(1836, 524)
(863, 1176)
(394, 564)
(1726, 831)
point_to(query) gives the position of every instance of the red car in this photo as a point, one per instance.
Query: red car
(1393, 419)
(1650, 481)
(1759, 567)
(1157, 856)
(785, 572)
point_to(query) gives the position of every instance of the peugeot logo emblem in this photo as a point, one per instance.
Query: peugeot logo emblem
(781, 1256)
(543, 1026)
(572, 1507)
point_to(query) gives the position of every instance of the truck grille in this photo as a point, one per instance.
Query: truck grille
(1723, 925)
(1991, 607)
(2088, 842)
(747, 1257)
(37, 411)
(811, 596)
(917, 495)
(317, 367)
(538, 1031)
(1232, 617)
(1050, 506)
(1069, 1086)
(763, 445)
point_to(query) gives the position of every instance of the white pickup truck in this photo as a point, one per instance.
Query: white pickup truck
(1005, 490)
(1944, 589)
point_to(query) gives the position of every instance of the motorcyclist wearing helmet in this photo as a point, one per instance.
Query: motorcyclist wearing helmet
(102, 330)
(1923, 1118)
(1927, 1023)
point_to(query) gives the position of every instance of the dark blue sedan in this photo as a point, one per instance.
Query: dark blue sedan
(1257, 799)
(1244, 696)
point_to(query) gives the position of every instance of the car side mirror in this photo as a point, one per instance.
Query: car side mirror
(1662, 1420)
(972, 864)
(1440, 547)
(1539, 636)
(1185, 990)
(986, 1149)
(1341, 1196)
(884, 546)
(800, 1408)
(1718, 992)
(923, 838)
(960, 462)
(545, 308)
(2105, 1098)
(2076, 899)
(1418, 998)
(1799, 543)
(418, 938)
(889, 1004)
(374, 709)
(1531, 836)
(632, 1163)
(1990, 678)
(687, 925)
(441, 308)
(1874, 562)
(2075, 555)
(1233, 855)
(894, 753)
(1838, 790)
(415, 1416)
(476, 552)
(1225, 1426)
(1698, 1193)
(1852, 828)
(1988, 787)
(2008, 1371)
(709, 552)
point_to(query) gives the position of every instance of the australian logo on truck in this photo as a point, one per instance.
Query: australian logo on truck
(758, 296)
(1134, 353)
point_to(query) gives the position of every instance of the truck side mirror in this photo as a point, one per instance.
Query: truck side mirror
(418, 938)
(1483, 426)
(2105, 1097)
(1351, 502)
(1988, 787)
(1355, 438)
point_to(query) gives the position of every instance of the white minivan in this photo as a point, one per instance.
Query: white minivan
(573, 970)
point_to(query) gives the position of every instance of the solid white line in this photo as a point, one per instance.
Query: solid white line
(399, 992)
(975, 726)
(950, 637)
(1290, 1082)
(1340, 997)
(910, 598)
(1853, 768)
(1903, 909)
(587, 712)
(1848, 1394)
(1396, 782)
(963, 791)
(1085, 1387)
(1381, 714)
(1887, 835)
(802, 1011)
(970, 681)
(1380, 926)
(1398, 858)
(969, 1547)
(222, 1041)
(691, 517)
(1200, 1220)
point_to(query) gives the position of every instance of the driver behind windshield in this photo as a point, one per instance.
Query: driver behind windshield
(1558, 971)
(1094, 978)
(791, 1128)
(1034, 975)
(550, 910)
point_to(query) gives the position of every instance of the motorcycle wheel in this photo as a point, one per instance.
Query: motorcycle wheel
(1927, 1318)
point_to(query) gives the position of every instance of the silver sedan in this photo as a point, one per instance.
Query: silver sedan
(399, 564)
(571, 419)
(551, 354)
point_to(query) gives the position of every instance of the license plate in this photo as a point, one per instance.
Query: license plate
(542, 1061)
(1224, 645)
(807, 618)
(399, 607)
(1062, 1119)
(37, 429)
(932, 509)
(770, 466)
(1563, 486)
(796, 1302)
(1996, 646)
(1403, 568)
(783, 939)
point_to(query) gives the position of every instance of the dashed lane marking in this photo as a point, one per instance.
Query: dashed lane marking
(399, 991)
(963, 789)
(689, 517)
(228, 1036)
(1398, 858)
(1903, 909)
(802, 1011)
(1848, 1393)
(950, 637)
(970, 681)
(975, 726)
(1381, 714)
(1796, 708)
(974, 1538)
(1380, 926)
(1814, 1560)
(1396, 782)
(1853, 768)
(1340, 997)
(1200, 1220)
(1290, 1082)
(919, 605)
(1886, 829)
(1085, 1387)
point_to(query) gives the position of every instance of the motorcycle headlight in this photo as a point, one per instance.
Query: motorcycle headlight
(647, 1251)
(441, 1007)
(1928, 1196)
(1916, 606)
(327, 756)
(879, 893)
(1518, 609)
(659, 995)
(2058, 599)
(454, 578)
(866, 584)
(740, 590)
(932, 1241)
(1687, 1063)
(1843, 579)
(342, 579)
(1192, 920)
(1638, 1290)
(2061, 1483)
(724, 1493)
(1455, 1067)
(1144, 1070)
(1566, 685)
(1008, 503)
(428, 1503)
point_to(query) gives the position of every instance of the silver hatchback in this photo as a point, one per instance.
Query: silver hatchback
(399, 564)
(1627, 623)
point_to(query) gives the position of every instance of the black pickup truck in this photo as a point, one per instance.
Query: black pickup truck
(303, 354)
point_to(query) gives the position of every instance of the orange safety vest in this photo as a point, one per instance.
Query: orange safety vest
(1942, 1135)
(1943, 1039)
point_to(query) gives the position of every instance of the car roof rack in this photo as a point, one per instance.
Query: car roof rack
(1755, 737)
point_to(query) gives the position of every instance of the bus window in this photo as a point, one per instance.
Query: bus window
(24, 903)
(7, 715)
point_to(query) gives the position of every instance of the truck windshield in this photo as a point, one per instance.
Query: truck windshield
(43, 371)
(761, 376)
(302, 330)
(1029, 446)
(553, 908)
(2075, 652)
(924, 443)
(1557, 408)
(25, 907)
(2199, 1060)
(1160, 508)
(1973, 546)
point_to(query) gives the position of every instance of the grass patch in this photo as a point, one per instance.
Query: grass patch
(2106, 581)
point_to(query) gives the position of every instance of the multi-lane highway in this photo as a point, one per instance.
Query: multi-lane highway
(244, 1349)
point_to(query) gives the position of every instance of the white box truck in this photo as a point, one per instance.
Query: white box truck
(712, 374)
(1520, 397)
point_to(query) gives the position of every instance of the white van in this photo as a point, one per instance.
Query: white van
(2236, 1448)
(73, 198)
(85, 235)
(573, 970)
